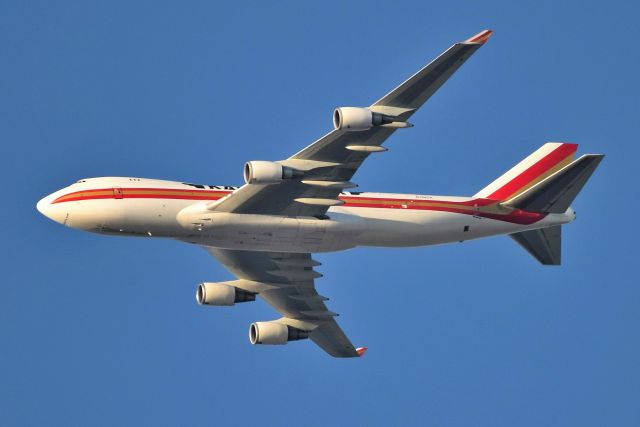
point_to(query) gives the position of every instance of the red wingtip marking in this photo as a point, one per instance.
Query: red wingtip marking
(361, 351)
(480, 38)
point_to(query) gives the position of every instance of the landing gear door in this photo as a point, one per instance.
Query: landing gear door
(117, 193)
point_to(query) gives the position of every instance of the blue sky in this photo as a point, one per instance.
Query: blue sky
(105, 331)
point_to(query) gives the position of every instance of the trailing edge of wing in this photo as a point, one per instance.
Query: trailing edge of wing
(329, 337)
(286, 282)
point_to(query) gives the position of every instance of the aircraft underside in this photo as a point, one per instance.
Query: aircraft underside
(345, 228)
(265, 231)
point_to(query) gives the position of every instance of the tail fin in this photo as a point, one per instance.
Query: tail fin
(547, 181)
(545, 161)
(555, 193)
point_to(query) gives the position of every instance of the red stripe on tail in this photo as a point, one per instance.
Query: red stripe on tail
(534, 172)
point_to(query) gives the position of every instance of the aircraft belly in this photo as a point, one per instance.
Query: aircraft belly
(278, 233)
(142, 217)
(405, 228)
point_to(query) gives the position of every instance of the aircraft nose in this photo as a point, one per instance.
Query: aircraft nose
(42, 206)
(51, 211)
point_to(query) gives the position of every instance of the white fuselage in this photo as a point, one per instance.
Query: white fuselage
(156, 208)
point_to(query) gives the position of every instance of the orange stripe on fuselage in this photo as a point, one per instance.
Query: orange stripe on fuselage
(466, 207)
(142, 193)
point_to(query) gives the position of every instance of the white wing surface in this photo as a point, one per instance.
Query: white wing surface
(286, 280)
(329, 161)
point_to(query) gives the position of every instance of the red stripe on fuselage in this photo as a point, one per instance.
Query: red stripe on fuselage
(353, 200)
(516, 216)
(427, 204)
(142, 193)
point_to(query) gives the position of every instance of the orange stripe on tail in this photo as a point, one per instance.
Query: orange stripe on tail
(547, 160)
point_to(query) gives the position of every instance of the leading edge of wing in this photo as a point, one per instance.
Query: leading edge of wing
(417, 89)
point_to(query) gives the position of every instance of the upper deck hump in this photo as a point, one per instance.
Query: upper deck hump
(121, 181)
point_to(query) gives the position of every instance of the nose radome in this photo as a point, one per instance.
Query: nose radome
(51, 211)
(42, 205)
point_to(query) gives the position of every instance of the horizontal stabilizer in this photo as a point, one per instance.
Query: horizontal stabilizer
(543, 244)
(555, 193)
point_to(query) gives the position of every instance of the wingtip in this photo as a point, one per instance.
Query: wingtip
(361, 351)
(480, 38)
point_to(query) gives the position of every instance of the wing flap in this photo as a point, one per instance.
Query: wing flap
(285, 281)
(329, 337)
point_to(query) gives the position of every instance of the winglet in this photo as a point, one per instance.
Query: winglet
(361, 351)
(480, 38)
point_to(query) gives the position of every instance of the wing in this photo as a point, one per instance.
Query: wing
(328, 164)
(286, 282)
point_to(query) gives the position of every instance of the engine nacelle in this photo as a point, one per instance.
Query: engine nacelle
(274, 333)
(261, 172)
(220, 294)
(359, 119)
(352, 118)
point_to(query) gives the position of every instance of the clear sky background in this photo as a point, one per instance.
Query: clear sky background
(105, 331)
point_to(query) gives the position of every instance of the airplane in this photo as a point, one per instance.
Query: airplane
(266, 231)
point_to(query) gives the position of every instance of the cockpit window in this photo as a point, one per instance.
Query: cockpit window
(212, 187)
(194, 185)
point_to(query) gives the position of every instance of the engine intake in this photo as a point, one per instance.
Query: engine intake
(274, 333)
(220, 294)
(261, 172)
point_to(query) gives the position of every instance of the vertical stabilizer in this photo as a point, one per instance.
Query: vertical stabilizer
(545, 161)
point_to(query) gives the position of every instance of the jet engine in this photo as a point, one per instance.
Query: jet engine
(221, 294)
(358, 119)
(274, 333)
(261, 172)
